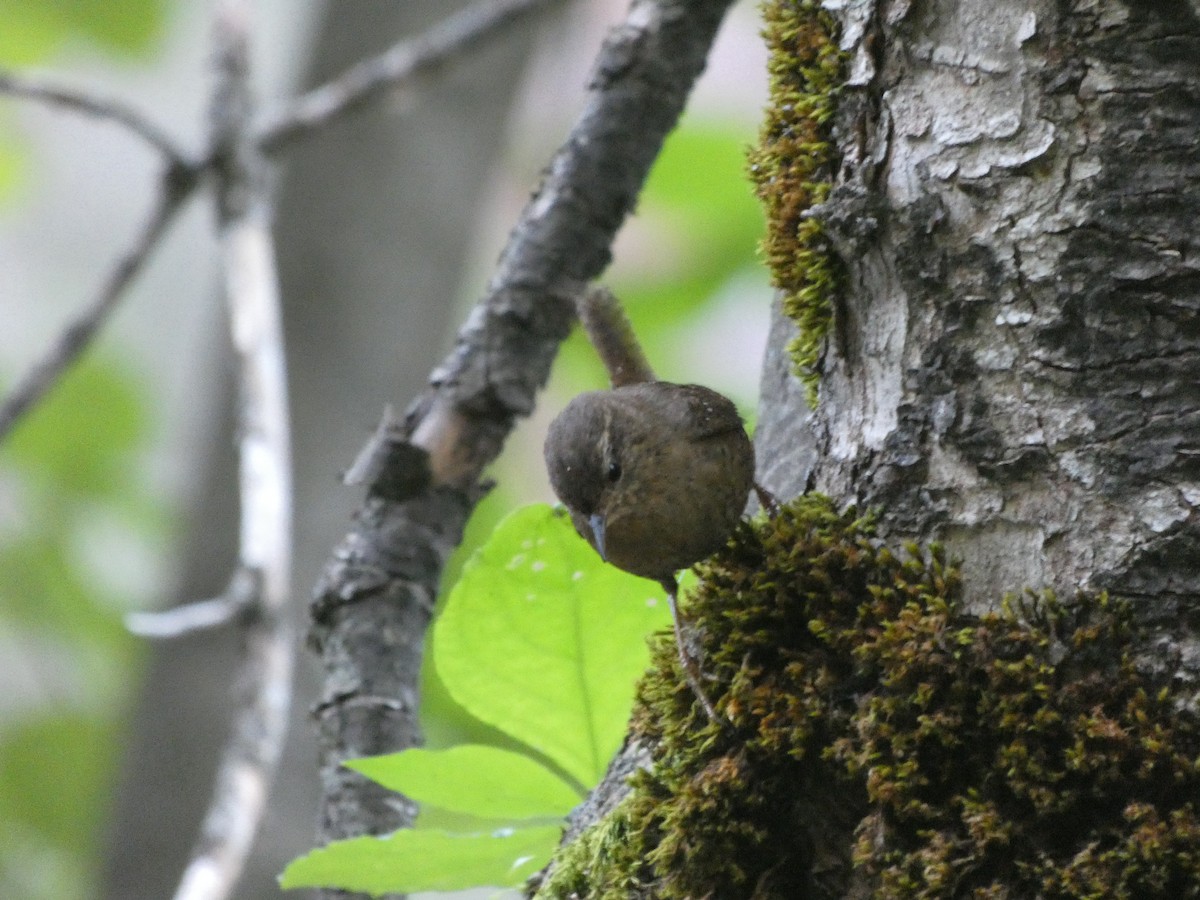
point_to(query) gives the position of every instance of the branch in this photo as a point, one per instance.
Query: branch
(83, 101)
(239, 598)
(372, 601)
(177, 185)
(373, 77)
(252, 291)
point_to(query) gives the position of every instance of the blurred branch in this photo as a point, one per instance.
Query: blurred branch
(442, 44)
(308, 114)
(373, 600)
(176, 186)
(252, 292)
(82, 100)
(237, 600)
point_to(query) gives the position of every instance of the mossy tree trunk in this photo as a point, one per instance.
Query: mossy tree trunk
(1013, 362)
(1008, 365)
(1013, 366)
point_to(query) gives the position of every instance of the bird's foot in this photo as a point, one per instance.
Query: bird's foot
(691, 669)
(768, 500)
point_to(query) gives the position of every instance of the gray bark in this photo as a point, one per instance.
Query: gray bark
(1012, 368)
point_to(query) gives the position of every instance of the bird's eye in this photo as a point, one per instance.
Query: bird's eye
(614, 471)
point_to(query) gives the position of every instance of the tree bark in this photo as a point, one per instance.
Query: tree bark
(1011, 365)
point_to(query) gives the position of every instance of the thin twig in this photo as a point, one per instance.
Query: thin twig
(252, 291)
(177, 185)
(367, 80)
(83, 100)
(239, 598)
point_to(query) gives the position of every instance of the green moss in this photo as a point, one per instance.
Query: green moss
(603, 862)
(1025, 754)
(1017, 754)
(794, 164)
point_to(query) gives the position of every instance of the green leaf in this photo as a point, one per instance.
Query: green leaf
(82, 439)
(408, 861)
(33, 29)
(482, 781)
(12, 161)
(545, 641)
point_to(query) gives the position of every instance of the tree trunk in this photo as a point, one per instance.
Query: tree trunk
(1010, 369)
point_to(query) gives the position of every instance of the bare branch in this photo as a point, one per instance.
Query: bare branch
(372, 600)
(177, 185)
(252, 291)
(239, 598)
(372, 77)
(84, 101)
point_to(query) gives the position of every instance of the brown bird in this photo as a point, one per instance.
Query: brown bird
(655, 474)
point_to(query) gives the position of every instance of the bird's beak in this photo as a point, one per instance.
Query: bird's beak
(596, 523)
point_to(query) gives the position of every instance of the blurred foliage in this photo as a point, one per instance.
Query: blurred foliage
(695, 233)
(12, 159)
(78, 529)
(34, 30)
(74, 512)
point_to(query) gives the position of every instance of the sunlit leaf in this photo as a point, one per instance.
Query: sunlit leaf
(543, 640)
(482, 781)
(408, 861)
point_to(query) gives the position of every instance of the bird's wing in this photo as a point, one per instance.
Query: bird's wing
(708, 413)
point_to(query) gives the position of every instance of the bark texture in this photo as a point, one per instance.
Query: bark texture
(1012, 368)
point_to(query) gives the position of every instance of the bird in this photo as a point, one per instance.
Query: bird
(655, 475)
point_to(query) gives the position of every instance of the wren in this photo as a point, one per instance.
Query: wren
(655, 474)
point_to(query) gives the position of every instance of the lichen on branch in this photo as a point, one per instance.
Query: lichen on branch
(793, 167)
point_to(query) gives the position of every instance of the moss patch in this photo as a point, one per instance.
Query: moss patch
(878, 733)
(793, 166)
